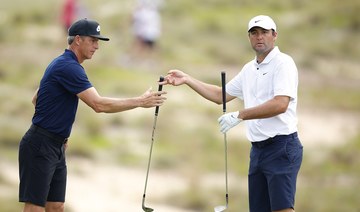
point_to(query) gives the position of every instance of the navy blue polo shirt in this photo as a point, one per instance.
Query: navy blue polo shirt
(57, 100)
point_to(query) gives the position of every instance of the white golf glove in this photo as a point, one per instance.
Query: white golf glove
(228, 121)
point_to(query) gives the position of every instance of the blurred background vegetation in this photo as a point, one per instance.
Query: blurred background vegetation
(202, 38)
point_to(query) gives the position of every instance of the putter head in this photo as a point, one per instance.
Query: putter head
(220, 208)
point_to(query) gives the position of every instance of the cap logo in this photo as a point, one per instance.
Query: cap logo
(98, 28)
(257, 21)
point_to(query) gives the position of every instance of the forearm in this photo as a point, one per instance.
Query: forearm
(268, 109)
(114, 105)
(208, 91)
(106, 104)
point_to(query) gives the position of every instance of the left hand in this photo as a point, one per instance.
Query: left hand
(228, 121)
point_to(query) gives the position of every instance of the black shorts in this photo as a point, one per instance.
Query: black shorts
(42, 168)
(149, 43)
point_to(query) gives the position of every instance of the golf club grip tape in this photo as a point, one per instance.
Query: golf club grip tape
(159, 89)
(223, 85)
(161, 80)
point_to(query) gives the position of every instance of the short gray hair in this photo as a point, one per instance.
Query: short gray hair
(70, 39)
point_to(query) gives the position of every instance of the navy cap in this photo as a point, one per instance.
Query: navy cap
(86, 27)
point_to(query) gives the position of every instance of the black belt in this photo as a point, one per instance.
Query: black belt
(48, 134)
(267, 142)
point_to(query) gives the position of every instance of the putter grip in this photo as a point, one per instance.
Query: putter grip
(223, 85)
(159, 89)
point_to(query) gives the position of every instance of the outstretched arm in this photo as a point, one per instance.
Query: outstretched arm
(112, 105)
(208, 91)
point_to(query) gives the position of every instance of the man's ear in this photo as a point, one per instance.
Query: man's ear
(275, 35)
(77, 40)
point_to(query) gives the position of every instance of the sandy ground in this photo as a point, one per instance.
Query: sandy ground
(99, 187)
(94, 187)
(326, 128)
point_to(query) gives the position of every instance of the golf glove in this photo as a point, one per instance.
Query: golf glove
(228, 121)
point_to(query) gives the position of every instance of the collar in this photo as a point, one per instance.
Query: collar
(270, 56)
(71, 54)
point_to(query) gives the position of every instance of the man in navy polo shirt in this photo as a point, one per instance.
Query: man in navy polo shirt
(268, 86)
(42, 164)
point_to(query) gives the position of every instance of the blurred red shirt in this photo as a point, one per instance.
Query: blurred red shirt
(69, 13)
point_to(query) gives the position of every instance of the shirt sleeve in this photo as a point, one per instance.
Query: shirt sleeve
(234, 86)
(286, 79)
(74, 79)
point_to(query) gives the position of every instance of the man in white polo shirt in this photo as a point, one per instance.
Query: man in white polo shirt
(268, 86)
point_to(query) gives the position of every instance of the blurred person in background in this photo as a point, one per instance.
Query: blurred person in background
(42, 162)
(146, 27)
(268, 86)
(72, 10)
(69, 13)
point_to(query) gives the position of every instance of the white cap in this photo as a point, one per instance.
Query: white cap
(262, 21)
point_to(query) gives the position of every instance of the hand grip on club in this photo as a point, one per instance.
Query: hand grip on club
(223, 85)
(159, 89)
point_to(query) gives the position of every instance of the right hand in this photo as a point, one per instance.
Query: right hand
(175, 78)
(152, 99)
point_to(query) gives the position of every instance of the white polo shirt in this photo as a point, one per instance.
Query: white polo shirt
(258, 83)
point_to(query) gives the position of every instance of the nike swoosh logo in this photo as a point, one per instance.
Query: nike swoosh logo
(264, 73)
(257, 21)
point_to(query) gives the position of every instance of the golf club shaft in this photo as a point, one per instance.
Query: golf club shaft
(223, 86)
(152, 143)
(150, 154)
(226, 172)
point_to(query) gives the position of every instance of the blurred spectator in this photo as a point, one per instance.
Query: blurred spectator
(68, 13)
(72, 10)
(146, 23)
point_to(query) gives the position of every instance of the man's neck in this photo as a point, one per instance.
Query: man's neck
(71, 48)
(260, 57)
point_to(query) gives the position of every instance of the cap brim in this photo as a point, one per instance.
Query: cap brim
(262, 27)
(100, 37)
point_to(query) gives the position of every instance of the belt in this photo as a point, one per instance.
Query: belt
(269, 141)
(48, 134)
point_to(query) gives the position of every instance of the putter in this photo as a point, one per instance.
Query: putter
(147, 209)
(224, 207)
